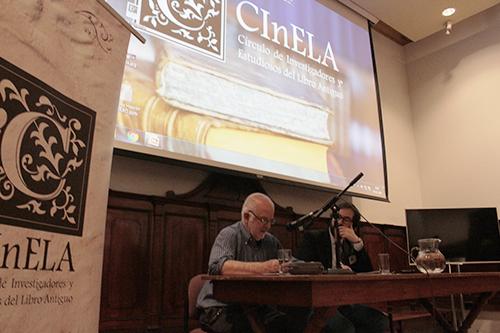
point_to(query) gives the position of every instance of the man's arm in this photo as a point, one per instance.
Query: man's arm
(349, 234)
(363, 263)
(223, 258)
(223, 249)
(241, 267)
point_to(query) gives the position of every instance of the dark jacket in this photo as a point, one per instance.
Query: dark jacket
(316, 246)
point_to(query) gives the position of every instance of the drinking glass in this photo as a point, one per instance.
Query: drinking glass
(384, 263)
(284, 256)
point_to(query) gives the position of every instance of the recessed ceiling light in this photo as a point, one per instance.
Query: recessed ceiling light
(448, 11)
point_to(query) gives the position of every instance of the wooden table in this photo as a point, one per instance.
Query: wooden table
(325, 292)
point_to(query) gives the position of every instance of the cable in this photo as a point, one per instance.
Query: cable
(388, 239)
(409, 256)
(392, 242)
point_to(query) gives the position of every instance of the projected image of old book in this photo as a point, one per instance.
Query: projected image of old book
(253, 86)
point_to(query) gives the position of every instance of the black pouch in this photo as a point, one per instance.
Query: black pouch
(215, 319)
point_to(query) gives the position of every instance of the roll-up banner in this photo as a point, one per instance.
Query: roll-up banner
(61, 65)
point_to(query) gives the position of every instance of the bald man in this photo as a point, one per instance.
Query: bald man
(245, 247)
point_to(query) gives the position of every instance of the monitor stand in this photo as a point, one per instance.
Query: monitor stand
(457, 265)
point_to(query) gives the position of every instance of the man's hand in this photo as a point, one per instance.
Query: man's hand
(345, 267)
(349, 234)
(270, 266)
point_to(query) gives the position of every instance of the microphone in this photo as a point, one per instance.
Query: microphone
(355, 180)
(306, 225)
(299, 223)
(333, 201)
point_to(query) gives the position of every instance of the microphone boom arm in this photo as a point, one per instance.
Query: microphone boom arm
(334, 200)
(305, 220)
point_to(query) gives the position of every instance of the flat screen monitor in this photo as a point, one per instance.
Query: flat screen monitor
(469, 235)
(281, 89)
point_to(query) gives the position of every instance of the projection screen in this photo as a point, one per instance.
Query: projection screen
(284, 89)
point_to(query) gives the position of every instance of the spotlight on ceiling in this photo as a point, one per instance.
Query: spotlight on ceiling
(448, 11)
(447, 27)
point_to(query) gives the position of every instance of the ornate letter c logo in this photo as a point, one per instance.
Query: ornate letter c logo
(11, 152)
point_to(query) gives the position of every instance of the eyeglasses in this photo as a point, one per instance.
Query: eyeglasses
(263, 220)
(345, 219)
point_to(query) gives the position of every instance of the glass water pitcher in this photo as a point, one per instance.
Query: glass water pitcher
(429, 258)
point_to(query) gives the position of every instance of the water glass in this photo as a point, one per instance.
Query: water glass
(384, 263)
(284, 256)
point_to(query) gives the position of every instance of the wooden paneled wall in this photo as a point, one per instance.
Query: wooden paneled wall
(154, 245)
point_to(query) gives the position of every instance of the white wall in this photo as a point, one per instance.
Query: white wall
(454, 84)
(152, 178)
(155, 178)
(401, 158)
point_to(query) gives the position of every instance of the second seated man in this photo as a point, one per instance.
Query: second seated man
(319, 245)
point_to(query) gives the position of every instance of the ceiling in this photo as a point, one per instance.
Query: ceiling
(417, 19)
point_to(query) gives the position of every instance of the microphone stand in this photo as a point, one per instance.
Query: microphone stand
(336, 237)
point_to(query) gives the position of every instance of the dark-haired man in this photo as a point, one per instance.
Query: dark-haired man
(319, 245)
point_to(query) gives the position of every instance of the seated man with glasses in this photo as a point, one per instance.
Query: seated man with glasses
(319, 245)
(245, 247)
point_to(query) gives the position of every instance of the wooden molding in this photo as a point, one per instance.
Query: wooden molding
(391, 33)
